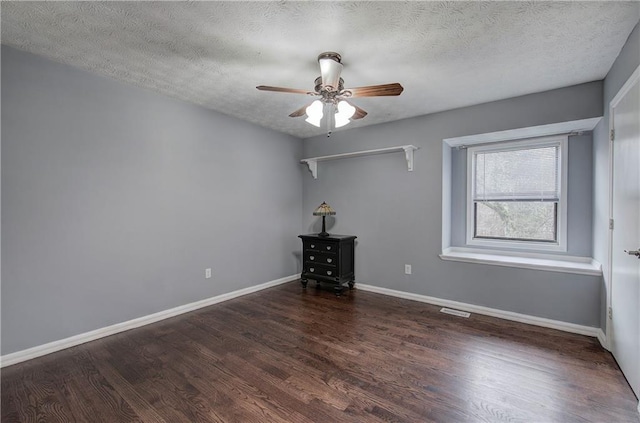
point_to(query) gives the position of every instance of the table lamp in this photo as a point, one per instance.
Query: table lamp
(324, 210)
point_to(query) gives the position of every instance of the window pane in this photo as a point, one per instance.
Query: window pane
(521, 220)
(525, 174)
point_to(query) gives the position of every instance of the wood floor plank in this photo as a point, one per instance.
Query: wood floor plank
(92, 388)
(140, 406)
(287, 354)
(172, 394)
(39, 388)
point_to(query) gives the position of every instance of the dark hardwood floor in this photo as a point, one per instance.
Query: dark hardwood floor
(291, 355)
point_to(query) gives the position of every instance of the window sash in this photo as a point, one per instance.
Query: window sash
(543, 187)
(555, 228)
(518, 199)
(560, 142)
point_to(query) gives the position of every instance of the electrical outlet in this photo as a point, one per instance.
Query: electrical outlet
(407, 269)
(207, 273)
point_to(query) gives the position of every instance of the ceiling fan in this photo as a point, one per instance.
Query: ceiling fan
(332, 101)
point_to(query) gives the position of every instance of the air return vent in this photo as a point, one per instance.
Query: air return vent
(455, 312)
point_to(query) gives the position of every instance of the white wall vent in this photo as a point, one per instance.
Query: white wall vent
(455, 312)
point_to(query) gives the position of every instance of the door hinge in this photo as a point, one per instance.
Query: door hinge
(610, 223)
(610, 313)
(612, 134)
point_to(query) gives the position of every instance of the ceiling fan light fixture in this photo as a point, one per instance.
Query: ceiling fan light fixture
(314, 113)
(344, 114)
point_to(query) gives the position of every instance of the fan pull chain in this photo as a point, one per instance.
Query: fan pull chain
(330, 118)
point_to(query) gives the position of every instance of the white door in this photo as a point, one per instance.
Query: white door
(625, 265)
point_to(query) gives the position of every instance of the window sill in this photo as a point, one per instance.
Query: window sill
(551, 263)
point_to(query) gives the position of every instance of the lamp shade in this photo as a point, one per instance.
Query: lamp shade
(345, 112)
(314, 113)
(324, 210)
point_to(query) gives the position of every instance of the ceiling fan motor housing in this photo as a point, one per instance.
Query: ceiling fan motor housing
(330, 69)
(328, 92)
(330, 55)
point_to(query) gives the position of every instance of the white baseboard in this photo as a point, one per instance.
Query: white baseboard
(40, 350)
(604, 341)
(507, 315)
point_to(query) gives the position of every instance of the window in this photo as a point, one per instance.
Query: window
(544, 242)
(516, 196)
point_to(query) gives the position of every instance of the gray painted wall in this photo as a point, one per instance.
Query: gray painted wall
(579, 200)
(397, 215)
(626, 63)
(115, 200)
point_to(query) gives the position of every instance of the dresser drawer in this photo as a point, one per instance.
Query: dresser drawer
(325, 247)
(319, 257)
(321, 270)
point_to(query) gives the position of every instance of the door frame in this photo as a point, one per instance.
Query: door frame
(633, 79)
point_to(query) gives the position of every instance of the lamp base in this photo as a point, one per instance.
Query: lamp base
(324, 232)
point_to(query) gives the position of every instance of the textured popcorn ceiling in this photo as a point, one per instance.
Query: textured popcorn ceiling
(445, 54)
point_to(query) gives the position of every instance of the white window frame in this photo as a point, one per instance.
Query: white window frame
(543, 246)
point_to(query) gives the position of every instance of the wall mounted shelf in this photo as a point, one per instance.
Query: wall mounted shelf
(312, 162)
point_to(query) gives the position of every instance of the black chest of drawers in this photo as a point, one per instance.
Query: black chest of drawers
(328, 259)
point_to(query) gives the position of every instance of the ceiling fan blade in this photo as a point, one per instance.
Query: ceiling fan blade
(359, 114)
(300, 112)
(374, 90)
(283, 90)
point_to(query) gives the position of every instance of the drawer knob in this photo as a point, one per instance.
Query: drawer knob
(328, 247)
(311, 269)
(329, 260)
(313, 245)
(329, 272)
(311, 258)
